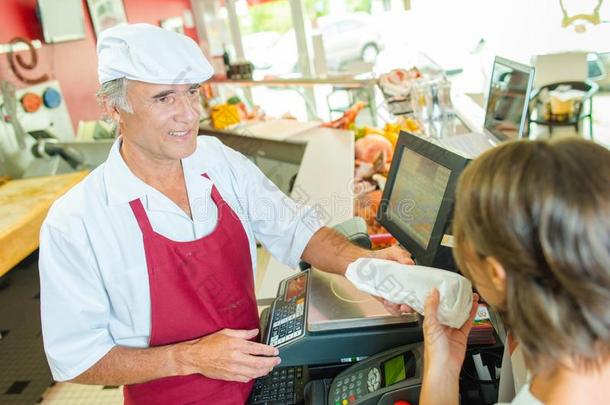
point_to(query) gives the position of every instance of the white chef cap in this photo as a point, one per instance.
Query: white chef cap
(150, 54)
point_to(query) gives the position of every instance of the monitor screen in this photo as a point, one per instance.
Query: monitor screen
(507, 99)
(417, 195)
(417, 202)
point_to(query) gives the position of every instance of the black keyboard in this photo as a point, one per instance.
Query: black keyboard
(283, 386)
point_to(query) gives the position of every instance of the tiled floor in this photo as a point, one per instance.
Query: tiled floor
(24, 374)
(76, 394)
(65, 393)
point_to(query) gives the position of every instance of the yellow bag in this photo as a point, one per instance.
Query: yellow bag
(224, 115)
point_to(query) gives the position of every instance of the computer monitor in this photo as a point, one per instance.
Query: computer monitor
(507, 102)
(417, 202)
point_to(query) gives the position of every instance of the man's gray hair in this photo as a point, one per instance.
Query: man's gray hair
(115, 92)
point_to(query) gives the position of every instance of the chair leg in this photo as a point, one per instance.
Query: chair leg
(591, 118)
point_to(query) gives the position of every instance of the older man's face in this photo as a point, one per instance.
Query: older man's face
(165, 119)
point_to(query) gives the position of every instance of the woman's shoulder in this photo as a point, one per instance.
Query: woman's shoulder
(524, 397)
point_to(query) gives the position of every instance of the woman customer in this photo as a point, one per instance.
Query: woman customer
(532, 231)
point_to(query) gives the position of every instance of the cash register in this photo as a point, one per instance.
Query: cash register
(339, 346)
(321, 325)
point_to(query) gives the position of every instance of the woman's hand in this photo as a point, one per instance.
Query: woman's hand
(445, 347)
(444, 352)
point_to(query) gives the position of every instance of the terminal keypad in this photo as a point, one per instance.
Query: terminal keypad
(288, 321)
(349, 388)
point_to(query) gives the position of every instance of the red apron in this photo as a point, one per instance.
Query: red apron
(196, 288)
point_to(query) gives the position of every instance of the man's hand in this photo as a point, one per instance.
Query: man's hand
(393, 308)
(402, 256)
(330, 251)
(395, 253)
(228, 355)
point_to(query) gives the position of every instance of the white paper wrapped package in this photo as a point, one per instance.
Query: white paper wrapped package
(405, 284)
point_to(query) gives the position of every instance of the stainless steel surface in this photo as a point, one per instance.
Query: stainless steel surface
(335, 304)
(94, 152)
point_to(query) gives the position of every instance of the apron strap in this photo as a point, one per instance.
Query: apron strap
(141, 217)
(215, 194)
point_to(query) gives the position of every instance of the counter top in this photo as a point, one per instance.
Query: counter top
(325, 178)
(23, 207)
(326, 169)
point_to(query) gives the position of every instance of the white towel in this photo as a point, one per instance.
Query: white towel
(405, 284)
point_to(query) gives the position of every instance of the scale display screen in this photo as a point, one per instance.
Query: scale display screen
(295, 287)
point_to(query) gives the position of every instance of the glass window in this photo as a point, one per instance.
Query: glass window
(268, 37)
(215, 18)
(351, 35)
(464, 37)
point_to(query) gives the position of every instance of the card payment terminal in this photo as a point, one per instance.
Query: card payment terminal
(393, 375)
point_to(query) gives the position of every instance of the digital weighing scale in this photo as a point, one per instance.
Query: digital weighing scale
(321, 318)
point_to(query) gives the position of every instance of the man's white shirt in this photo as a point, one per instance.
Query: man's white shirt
(94, 280)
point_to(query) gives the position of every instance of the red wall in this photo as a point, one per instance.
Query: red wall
(74, 64)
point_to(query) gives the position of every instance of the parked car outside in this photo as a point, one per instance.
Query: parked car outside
(347, 38)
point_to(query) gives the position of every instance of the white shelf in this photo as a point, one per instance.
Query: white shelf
(19, 47)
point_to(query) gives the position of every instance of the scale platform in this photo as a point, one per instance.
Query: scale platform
(320, 318)
(335, 304)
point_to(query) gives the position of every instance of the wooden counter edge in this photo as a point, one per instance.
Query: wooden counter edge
(21, 240)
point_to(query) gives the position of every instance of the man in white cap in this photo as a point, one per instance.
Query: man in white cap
(146, 266)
